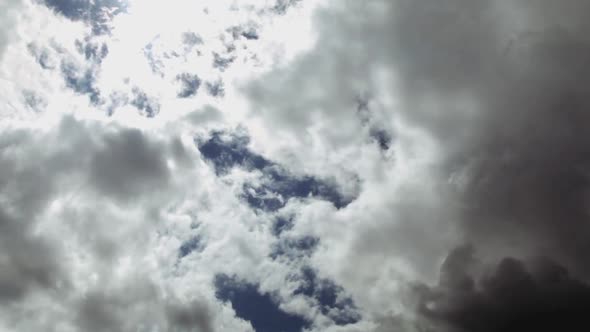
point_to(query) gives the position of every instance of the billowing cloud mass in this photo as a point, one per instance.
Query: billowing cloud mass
(301, 165)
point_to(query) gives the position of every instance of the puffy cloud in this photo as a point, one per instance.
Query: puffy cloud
(324, 179)
(67, 239)
(9, 10)
(539, 294)
(496, 88)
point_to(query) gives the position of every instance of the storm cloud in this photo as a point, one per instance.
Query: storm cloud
(501, 88)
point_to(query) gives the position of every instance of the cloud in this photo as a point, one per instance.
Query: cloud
(520, 152)
(140, 304)
(95, 13)
(61, 189)
(514, 295)
(127, 164)
(106, 214)
(406, 166)
(191, 316)
(495, 87)
(147, 105)
(29, 262)
(9, 9)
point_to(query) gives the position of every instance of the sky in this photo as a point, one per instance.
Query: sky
(294, 165)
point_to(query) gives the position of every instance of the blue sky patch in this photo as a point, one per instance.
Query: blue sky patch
(330, 297)
(215, 88)
(282, 224)
(294, 248)
(96, 13)
(261, 310)
(381, 137)
(261, 198)
(81, 81)
(92, 51)
(226, 151)
(195, 243)
(190, 85)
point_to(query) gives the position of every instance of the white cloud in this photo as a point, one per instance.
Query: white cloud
(110, 200)
(101, 205)
(9, 10)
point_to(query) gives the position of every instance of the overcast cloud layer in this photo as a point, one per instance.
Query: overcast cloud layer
(294, 165)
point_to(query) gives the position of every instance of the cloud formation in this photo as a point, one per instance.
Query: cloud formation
(498, 87)
(407, 166)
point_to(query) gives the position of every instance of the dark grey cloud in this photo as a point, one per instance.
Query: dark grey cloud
(538, 295)
(127, 164)
(502, 89)
(523, 150)
(29, 261)
(100, 312)
(140, 305)
(520, 148)
(193, 316)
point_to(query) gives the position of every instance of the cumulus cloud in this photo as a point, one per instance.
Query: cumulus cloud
(45, 212)
(408, 166)
(9, 11)
(498, 88)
